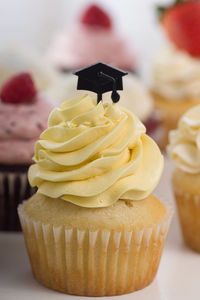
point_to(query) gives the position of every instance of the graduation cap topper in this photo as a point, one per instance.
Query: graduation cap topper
(101, 78)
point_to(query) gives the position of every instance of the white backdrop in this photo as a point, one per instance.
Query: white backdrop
(32, 22)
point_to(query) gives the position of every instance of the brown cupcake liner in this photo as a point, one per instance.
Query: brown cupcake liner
(94, 263)
(188, 207)
(14, 188)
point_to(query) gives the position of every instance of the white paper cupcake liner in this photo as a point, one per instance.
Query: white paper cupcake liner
(187, 197)
(188, 207)
(14, 188)
(94, 263)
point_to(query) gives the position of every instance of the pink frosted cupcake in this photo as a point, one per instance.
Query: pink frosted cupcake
(92, 39)
(23, 116)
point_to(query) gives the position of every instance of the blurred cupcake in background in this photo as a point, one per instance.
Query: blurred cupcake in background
(134, 97)
(23, 116)
(93, 38)
(184, 149)
(176, 70)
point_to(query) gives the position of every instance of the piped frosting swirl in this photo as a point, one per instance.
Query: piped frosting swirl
(94, 154)
(184, 147)
(176, 75)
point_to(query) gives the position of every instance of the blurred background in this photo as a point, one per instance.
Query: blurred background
(33, 23)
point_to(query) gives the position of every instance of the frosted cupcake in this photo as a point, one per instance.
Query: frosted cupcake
(23, 116)
(91, 39)
(184, 149)
(93, 228)
(176, 72)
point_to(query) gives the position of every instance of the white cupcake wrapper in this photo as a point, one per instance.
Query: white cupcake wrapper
(187, 197)
(188, 207)
(94, 263)
(14, 188)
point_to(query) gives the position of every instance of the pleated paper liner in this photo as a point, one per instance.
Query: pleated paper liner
(14, 188)
(94, 263)
(188, 207)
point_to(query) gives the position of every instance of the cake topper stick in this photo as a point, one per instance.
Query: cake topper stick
(101, 78)
(114, 96)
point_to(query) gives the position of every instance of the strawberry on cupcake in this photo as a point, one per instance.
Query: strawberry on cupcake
(93, 38)
(182, 25)
(23, 116)
(176, 71)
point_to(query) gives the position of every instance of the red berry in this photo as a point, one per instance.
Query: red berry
(95, 16)
(18, 89)
(182, 24)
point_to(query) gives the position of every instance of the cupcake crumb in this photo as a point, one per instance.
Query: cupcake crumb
(128, 203)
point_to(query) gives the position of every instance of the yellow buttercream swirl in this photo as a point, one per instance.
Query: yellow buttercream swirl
(94, 154)
(184, 147)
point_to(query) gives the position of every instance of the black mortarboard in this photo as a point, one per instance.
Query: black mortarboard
(101, 78)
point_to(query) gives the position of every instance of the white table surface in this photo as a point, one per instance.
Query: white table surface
(178, 277)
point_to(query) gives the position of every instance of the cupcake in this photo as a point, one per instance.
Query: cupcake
(176, 71)
(23, 116)
(93, 228)
(184, 149)
(134, 97)
(93, 38)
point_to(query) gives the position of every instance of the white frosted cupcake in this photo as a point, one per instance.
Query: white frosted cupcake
(175, 86)
(176, 75)
(184, 149)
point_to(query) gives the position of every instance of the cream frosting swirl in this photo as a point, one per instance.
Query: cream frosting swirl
(94, 154)
(184, 147)
(176, 75)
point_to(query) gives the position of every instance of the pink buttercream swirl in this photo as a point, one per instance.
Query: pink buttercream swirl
(20, 127)
(83, 45)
